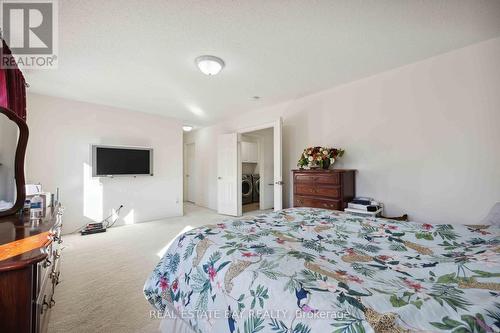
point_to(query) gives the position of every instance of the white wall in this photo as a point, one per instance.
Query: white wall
(424, 137)
(61, 132)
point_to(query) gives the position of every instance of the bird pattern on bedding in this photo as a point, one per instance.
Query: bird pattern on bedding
(305, 270)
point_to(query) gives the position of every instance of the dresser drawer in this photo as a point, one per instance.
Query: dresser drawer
(301, 201)
(48, 269)
(45, 299)
(331, 179)
(332, 192)
(43, 305)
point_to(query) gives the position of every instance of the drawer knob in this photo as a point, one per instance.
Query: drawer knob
(58, 239)
(45, 305)
(52, 302)
(47, 263)
(55, 278)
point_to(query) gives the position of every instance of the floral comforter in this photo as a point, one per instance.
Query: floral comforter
(311, 270)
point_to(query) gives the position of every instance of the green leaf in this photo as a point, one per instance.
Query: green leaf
(241, 306)
(351, 300)
(486, 274)
(445, 231)
(447, 278)
(417, 303)
(461, 330)
(449, 294)
(253, 324)
(470, 320)
(343, 285)
(424, 235)
(397, 302)
(278, 326)
(301, 328)
(450, 322)
(441, 326)
(222, 265)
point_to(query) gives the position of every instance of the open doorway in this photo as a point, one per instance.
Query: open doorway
(189, 165)
(257, 170)
(230, 170)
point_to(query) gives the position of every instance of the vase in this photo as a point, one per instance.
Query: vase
(331, 163)
(326, 164)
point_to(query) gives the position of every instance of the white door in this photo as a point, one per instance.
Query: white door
(278, 160)
(228, 200)
(190, 172)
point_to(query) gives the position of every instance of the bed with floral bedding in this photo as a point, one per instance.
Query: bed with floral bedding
(309, 270)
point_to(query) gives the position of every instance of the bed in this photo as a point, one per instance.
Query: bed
(307, 270)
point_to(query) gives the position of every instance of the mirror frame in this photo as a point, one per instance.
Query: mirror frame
(18, 161)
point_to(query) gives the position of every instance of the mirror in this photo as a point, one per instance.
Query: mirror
(13, 140)
(9, 135)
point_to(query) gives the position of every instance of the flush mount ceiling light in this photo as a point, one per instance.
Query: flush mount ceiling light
(209, 65)
(187, 128)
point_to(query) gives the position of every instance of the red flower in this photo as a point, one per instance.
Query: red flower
(280, 241)
(211, 273)
(175, 285)
(427, 226)
(164, 284)
(221, 225)
(392, 227)
(354, 279)
(383, 257)
(415, 285)
(248, 254)
(350, 251)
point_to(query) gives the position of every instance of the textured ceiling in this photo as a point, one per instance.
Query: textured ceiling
(139, 55)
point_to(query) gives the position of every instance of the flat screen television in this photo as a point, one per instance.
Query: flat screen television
(109, 161)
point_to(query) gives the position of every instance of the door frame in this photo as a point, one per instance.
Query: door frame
(244, 130)
(184, 172)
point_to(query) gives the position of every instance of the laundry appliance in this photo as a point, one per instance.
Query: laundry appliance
(256, 188)
(247, 189)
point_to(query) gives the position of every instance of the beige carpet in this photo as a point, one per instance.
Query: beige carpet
(103, 274)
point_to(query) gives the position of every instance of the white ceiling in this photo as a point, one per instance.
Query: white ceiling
(139, 55)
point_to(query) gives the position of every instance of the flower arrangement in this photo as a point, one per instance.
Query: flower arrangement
(319, 157)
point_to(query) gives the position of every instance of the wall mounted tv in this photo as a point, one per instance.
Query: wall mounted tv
(110, 161)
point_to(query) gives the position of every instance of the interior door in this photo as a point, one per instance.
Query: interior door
(278, 170)
(190, 151)
(228, 201)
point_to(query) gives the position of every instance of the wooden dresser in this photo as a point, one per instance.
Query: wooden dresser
(29, 271)
(318, 188)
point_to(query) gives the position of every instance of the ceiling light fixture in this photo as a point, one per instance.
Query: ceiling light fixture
(187, 128)
(209, 65)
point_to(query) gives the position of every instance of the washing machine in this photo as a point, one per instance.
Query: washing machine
(256, 188)
(247, 189)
